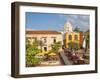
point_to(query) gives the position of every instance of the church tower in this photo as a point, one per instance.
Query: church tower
(68, 27)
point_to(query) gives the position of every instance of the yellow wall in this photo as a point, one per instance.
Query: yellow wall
(73, 38)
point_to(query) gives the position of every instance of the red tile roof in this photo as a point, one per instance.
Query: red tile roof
(41, 32)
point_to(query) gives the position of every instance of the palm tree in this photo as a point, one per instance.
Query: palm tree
(87, 39)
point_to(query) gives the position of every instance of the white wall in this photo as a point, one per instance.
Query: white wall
(5, 43)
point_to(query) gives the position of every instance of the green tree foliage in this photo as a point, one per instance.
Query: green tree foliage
(73, 45)
(27, 44)
(87, 38)
(77, 29)
(40, 43)
(32, 60)
(56, 46)
(31, 51)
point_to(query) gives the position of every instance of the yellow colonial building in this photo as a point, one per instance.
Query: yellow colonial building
(71, 37)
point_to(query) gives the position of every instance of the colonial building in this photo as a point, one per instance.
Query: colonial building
(72, 37)
(48, 37)
(45, 37)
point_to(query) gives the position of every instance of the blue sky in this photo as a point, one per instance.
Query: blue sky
(53, 21)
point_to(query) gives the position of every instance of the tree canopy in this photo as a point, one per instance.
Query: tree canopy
(31, 51)
(56, 46)
(77, 29)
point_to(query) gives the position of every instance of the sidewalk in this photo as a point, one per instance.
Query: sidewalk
(65, 58)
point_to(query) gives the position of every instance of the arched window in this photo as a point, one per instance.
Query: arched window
(76, 37)
(45, 48)
(70, 37)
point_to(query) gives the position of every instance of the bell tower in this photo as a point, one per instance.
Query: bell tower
(68, 27)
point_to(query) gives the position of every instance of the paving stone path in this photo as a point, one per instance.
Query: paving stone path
(65, 58)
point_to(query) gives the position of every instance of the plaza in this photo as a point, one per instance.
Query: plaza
(58, 47)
